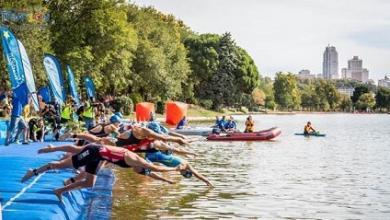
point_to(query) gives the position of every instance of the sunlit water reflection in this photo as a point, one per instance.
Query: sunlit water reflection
(345, 175)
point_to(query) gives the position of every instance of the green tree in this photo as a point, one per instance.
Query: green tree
(203, 58)
(247, 74)
(382, 98)
(359, 90)
(160, 67)
(366, 102)
(345, 103)
(286, 91)
(328, 94)
(224, 89)
(95, 38)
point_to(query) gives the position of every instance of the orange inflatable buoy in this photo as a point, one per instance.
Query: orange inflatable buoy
(175, 111)
(143, 111)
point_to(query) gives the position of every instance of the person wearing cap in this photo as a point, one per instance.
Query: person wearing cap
(308, 129)
(164, 155)
(101, 130)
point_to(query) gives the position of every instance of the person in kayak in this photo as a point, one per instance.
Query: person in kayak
(183, 123)
(231, 125)
(249, 124)
(222, 123)
(217, 119)
(308, 129)
(90, 158)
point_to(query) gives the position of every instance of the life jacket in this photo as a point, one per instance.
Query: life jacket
(66, 112)
(88, 112)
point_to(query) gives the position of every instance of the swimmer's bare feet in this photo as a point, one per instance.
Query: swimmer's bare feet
(27, 176)
(58, 193)
(47, 149)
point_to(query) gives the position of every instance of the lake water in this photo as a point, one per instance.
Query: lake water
(345, 175)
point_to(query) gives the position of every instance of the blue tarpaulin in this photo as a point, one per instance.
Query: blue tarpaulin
(35, 199)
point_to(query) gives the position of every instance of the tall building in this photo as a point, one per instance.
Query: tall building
(384, 82)
(355, 70)
(330, 64)
(305, 74)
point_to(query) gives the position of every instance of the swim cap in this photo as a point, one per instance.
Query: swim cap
(186, 173)
(118, 114)
(154, 126)
(115, 119)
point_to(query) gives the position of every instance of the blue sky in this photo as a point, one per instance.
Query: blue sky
(290, 35)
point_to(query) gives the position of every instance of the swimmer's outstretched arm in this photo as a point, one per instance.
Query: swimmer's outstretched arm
(133, 160)
(199, 176)
(164, 146)
(177, 135)
(87, 137)
(158, 177)
(153, 135)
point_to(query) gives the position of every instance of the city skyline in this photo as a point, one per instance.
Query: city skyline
(291, 35)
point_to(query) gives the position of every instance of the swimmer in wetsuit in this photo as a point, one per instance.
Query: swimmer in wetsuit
(101, 130)
(155, 151)
(90, 157)
(134, 136)
(163, 154)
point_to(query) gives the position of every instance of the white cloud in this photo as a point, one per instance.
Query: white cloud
(291, 35)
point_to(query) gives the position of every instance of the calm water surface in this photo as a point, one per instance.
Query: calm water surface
(345, 175)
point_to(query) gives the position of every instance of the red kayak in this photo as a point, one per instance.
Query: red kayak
(255, 136)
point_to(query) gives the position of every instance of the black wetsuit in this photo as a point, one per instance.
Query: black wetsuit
(92, 154)
(101, 133)
(131, 140)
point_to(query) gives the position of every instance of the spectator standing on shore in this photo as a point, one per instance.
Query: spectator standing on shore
(88, 115)
(5, 108)
(23, 125)
(17, 109)
(37, 129)
(67, 111)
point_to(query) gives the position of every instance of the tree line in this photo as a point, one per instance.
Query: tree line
(137, 52)
(291, 93)
(143, 54)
